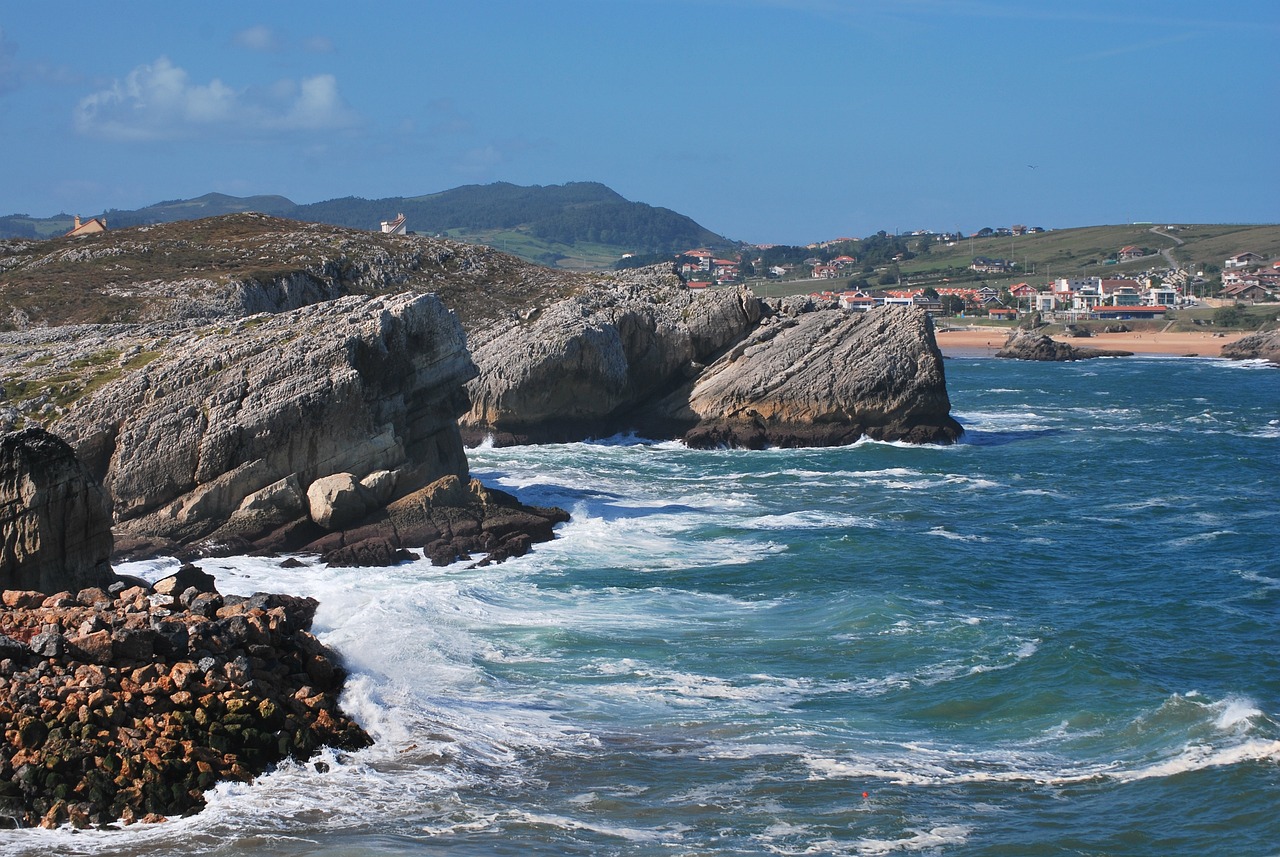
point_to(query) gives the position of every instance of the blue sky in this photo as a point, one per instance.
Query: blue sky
(764, 120)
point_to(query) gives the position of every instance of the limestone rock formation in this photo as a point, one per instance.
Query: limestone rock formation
(810, 376)
(358, 385)
(718, 367)
(1029, 345)
(580, 367)
(1264, 345)
(450, 520)
(55, 523)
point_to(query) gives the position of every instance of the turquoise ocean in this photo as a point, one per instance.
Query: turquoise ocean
(1058, 637)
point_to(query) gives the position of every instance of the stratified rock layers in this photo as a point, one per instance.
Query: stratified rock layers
(582, 367)
(358, 385)
(821, 378)
(717, 368)
(55, 524)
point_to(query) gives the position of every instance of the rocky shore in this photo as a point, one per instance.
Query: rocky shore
(1256, 346)
(127, 704)
(121, 700)
(300, 389)
(1030, 345)
(717, 368)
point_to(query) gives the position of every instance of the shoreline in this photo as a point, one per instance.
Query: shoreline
(979, 343)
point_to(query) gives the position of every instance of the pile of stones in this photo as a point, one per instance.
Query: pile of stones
(128, 703)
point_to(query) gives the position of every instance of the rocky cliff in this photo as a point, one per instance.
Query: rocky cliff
(55, 523)
(359, 385)
(1264, 345)
(715, 367)
(581, 367)
(811, 376)
(300, 390)
(1030, 345)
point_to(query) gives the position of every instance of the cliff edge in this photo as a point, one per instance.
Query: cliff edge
(717, 367)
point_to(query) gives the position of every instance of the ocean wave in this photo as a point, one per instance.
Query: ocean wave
(948, 534)
(929, 767)
(1187, 541)
(809, 520)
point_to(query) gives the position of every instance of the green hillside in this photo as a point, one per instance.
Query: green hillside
(579, 224)
(1072, 252)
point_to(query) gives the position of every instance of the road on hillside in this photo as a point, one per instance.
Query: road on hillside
(1167, 253)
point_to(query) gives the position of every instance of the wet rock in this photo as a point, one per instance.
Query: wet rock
(132, 710)
(1029, 345)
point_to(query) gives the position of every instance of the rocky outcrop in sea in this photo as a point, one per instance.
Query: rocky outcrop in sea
(583, 366)
(713, 368)
(1264, 345)
(121, 700)
(810, 376)
(1030, 345)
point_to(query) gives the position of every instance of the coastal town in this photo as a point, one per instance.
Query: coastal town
(1244, 279)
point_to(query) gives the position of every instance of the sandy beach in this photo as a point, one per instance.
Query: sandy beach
(968, 342)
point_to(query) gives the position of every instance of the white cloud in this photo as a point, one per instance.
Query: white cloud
(160, 102)
(319, 45)
(258, 38)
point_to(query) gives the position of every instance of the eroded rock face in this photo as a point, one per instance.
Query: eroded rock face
(810, 376)
(1029, 345)
(358, 385)
(718, 367)
(1255, 346)
(582, 366)
(55, 523)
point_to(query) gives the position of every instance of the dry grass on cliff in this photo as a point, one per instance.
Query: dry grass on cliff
(144, 273)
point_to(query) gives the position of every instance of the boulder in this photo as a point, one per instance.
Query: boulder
(811, 376)
(55, 522)
(1029, 345)
(337, 501)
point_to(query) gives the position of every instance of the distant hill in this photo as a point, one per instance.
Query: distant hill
(579, 224)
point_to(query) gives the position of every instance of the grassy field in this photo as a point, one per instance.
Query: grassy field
(1080, 252)
(581, 256)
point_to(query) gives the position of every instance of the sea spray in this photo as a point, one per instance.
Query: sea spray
(1056, 637)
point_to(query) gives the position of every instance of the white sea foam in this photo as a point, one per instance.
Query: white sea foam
(810, 520)
(1236, 712)
(919, 840)
(947, 534)
(1186, 541)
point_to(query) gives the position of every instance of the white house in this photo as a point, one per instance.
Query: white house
(1243, 260)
